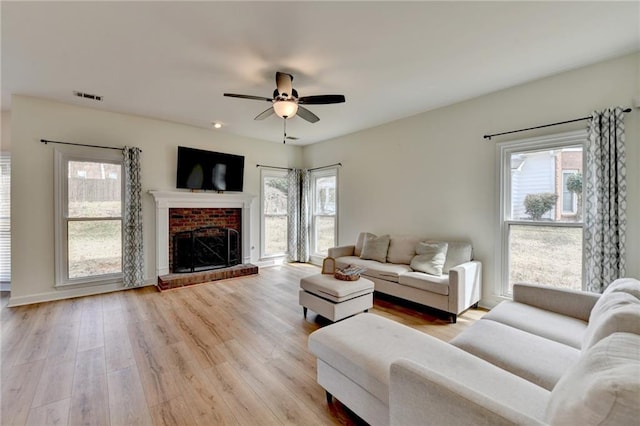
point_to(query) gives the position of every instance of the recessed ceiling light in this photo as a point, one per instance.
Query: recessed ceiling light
(216, 125)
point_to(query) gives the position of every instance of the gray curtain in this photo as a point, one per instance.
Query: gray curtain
(298, 216)
(133, 256)
(605, 218)
(305, 215)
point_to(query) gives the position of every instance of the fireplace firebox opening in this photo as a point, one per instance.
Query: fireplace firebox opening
(206, 248)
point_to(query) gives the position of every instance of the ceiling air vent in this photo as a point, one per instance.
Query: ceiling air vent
(88, 96)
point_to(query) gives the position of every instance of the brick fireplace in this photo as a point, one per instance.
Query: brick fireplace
(178, 212)
(193, 226)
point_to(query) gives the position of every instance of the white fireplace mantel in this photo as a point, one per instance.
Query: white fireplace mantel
(166, 200)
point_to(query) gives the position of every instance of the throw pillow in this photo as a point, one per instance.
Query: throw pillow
(430, 258)
(458, 252)
(402, 249)
(602, 388)
(362, 237)
(624, 285)
(375, 248)
(613, 312)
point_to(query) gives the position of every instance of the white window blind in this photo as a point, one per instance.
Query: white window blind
(5, 219)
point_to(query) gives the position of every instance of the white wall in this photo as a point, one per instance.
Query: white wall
(32, 178)
(433, 174)
(5, 131)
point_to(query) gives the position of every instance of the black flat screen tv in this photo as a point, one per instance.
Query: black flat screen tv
(209, 170)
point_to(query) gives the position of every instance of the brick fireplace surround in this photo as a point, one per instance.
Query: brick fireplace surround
(172, 203)
(189, 219)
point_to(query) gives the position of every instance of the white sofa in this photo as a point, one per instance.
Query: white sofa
(550, 356)
(454, 291)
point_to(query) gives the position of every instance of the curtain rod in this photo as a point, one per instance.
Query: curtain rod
(286, 168)
(45, 141)
(324, 167)
(273, 167)
(488, 137)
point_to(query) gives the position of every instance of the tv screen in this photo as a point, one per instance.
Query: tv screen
(200, 169)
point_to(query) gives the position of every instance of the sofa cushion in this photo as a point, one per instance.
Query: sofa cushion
(534, 358)
(458, 252)
(429, 258)
(402, 249)
(557, 327)
(374, 269)
(434, 284)
(357, 251)
(624, 285)
(614, 311)
(603, 387)
(375, 248)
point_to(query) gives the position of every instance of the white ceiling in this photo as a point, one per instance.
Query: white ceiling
(174, 60)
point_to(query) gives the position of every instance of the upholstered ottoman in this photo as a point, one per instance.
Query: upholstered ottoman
(354, 358)
(335, 299)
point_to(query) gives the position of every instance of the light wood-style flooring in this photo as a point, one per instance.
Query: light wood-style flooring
(227, 352)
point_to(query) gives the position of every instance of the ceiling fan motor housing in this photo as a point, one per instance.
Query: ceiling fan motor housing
(286, 103)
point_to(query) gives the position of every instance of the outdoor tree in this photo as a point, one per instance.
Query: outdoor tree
(279, 184)
(574, 184)
(537, 205)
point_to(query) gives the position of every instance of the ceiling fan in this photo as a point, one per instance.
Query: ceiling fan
(286, 103)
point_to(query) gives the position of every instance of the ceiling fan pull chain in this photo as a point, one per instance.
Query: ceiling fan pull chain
(284, 138)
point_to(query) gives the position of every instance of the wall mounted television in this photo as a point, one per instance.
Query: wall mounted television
(209, 170)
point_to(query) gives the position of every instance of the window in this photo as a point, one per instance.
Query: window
(324, 207)
(89, 208)
(569, 197)
(540, 217)
(274, 213)
(5, 219)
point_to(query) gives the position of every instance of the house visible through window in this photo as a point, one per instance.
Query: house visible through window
(569, 197)
(89, 205)
(274, 213)
(541, 221)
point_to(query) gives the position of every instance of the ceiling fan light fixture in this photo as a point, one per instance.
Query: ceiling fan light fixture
(285, 108)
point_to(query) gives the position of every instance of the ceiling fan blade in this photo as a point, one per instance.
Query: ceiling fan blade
(321, 99)
(307, 115)
(284, 84)
(257, 98)
(264, 114)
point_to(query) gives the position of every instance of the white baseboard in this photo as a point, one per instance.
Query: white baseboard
(265, 263)
(68, 294)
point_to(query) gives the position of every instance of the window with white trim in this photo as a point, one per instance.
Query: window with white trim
(324, 210)
(274, 213)
(539, 241)
(89, 209)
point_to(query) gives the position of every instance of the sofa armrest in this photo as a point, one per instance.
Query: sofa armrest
(465, 286)
(469, 393)
(573, 303)
(341, 251)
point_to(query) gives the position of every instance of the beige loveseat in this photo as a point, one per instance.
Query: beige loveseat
(550, 356)
(454, 290)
